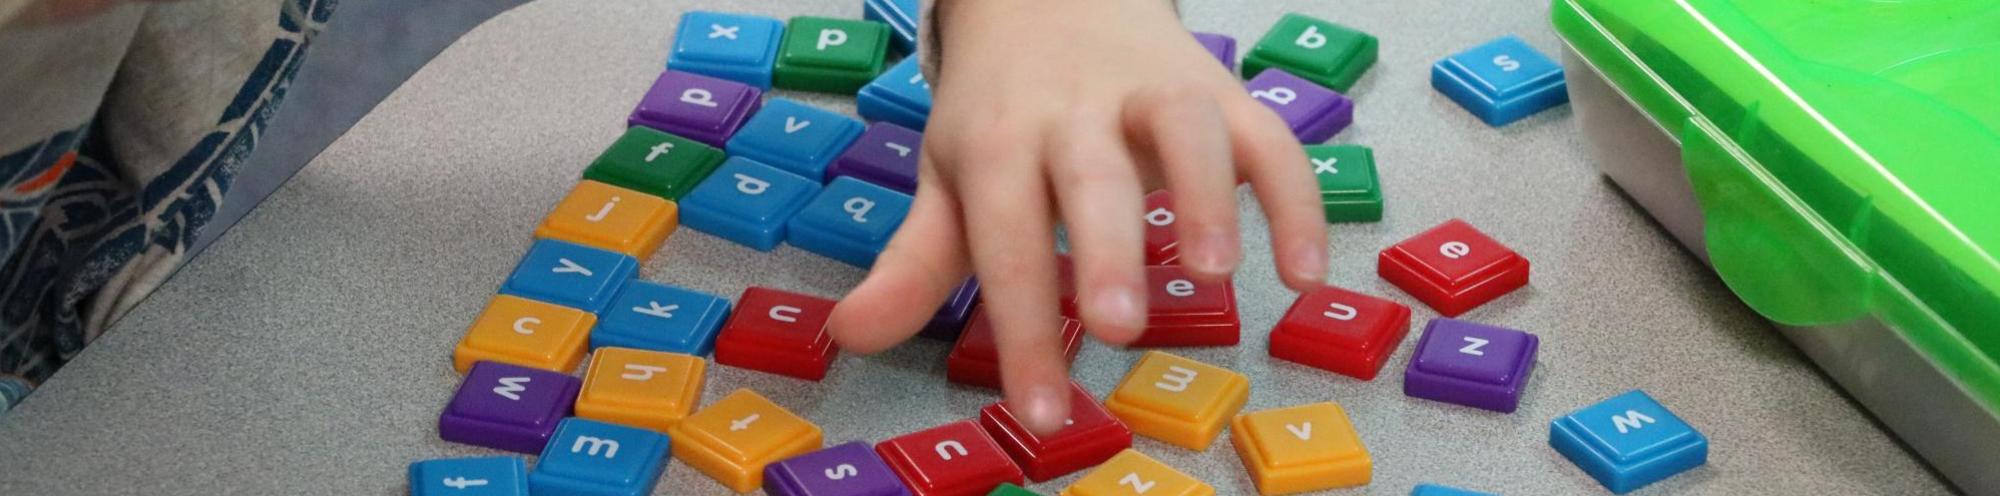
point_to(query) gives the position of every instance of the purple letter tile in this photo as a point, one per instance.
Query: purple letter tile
(850, 469)
(508, 407)
(696, 107)
(1314, 112)
(885, 154)
(950, 318)
(1222, 46)
(1471, 364)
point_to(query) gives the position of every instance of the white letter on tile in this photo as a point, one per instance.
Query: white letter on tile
(786, 313)
(954, 445)
(1138, 485)
(793, 124)
(721, 31)
(1632, 419)
(859, 207)
(569, 267)
(511, 387)
(831, 38)
(1339, 312)
(1454, 250)
(698, 97)
(1302, 431)
(1176, 379)
(1325, 165)
(655, 309)
(610, 447)
(750, 185)
(1312, 38)
(604, 211)
(1472, 346)
(842, 471)
(1278, 95)
(637, 372)
(462, 483)
(522, 325)
(658, 150)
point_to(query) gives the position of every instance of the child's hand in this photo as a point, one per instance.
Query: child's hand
(1072, 110)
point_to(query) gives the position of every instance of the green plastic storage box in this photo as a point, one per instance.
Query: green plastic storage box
(1837, 162)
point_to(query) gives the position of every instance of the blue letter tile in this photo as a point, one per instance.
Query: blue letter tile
(658, 317)
(747, 202)
(736, 47)
(570, 275)
(795, 137)
(899, 96)
(1501, 81)
(484, 476)
(592, 458)
(900, 15)
(850, 221)
(1628, 441)
(1437, 490)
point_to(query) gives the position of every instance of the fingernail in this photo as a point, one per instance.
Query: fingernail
(1308, 262)
(1047, 409)
(1119, 306)
(1215, 252)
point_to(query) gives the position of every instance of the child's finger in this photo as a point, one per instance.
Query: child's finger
(919, 269)
(1098, 191)
(1276, 166)
(1015, 257)
(1185, 129)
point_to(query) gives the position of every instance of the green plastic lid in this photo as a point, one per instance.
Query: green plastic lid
(1844, 154)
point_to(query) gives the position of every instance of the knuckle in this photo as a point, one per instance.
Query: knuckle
(1177, 100)
(1265, 143)
(1161, 92)
(1279, 151)
(945, 143)
(1191, 92)
(1091, 177)
(1000, 139)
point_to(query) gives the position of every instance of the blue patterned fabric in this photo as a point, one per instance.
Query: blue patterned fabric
(71, 225)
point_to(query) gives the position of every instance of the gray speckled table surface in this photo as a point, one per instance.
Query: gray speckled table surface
(307, 351)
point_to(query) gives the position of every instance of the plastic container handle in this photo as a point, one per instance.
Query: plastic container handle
(1780, 257)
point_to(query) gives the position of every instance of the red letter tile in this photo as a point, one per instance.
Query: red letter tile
(1090, 436)
(1340, 331)
(778, 332)
(1453, 268)
(1183, 312)
(1162, 245)
(949, 460)
(975, 362)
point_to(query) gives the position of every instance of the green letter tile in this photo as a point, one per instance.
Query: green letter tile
(831, 55)
(1348, 188)
(1007, 489)
(655, 163)
(1319, 51)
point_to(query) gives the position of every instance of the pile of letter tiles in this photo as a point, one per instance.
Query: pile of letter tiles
(704, 148)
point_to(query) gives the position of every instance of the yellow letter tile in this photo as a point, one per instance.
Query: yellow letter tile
(1131, 473)
(734, 438)
(526, 332)
(640, 388)
(1180, 401)
(1299, 449)
(612, 218)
